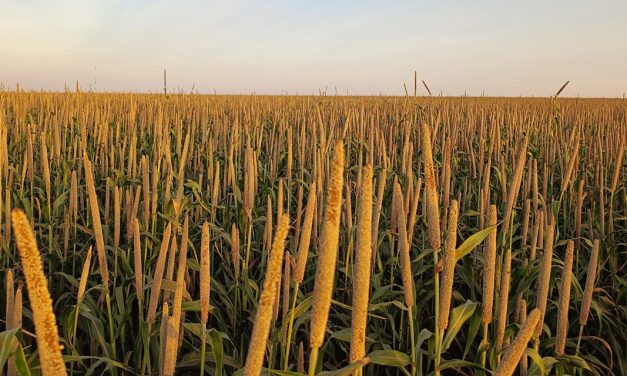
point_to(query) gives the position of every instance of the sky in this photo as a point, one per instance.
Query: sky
(500, 48)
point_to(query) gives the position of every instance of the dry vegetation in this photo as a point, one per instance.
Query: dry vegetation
(312, 235)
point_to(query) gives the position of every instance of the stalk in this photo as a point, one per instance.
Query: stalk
(327, 257)
(433, 222)
(489, 270)
(406, 272)
(588, 291)
(81, 292)
(263, 317)
(205, 285)
(413, 341)
(313, 359)
(301, 262)
(100, 245)
(290, 328)
(562, 313)
(448, 274)
(361, 272)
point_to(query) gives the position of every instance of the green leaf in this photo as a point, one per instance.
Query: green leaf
(457, 364)
(474, 324)
(470, 213)
(271, 372)
(21, 365)
(472, 242)
(216, 348)
(192, 360)
(284, 373)
(298, 311)
(7, 345)
(538, 364)
(458, 317)
(346, 371)
(424, 335)
(192, 306)
(168, 285)
(575, 361)
(109, 362)
(389, 358)
(343, 335)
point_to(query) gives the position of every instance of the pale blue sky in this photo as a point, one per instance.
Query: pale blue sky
(363, 47)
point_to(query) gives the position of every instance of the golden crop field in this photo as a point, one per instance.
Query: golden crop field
(321, 235)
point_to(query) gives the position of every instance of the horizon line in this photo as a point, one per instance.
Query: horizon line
(297, 94)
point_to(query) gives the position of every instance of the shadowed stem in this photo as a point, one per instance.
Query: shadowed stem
(437, 310)
(203, 338)
(413, 342)
(484, 343)
(286, 360)
(579, 340)
(313, 360)
(108, 299)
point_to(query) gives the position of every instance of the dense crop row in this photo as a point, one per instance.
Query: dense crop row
(364, 235)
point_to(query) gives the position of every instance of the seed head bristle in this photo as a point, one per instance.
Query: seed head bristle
(50, 359)
(327, 253)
